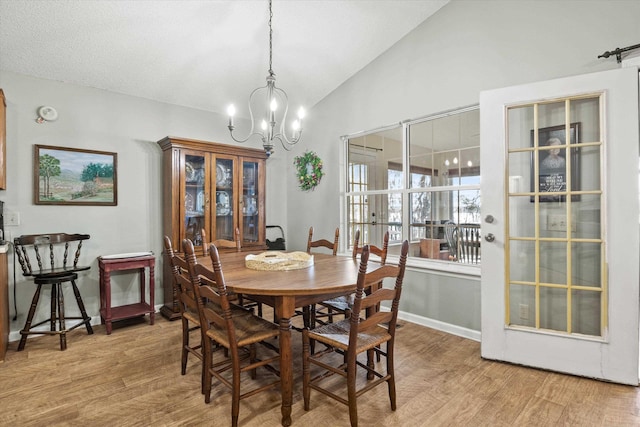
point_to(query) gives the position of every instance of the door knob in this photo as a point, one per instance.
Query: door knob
(490, 237)
(489, 219)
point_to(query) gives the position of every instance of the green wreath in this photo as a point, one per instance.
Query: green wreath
(308, 170)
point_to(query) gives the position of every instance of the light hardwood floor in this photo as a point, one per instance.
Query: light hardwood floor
(132, 378)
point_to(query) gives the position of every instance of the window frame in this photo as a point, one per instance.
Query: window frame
(413, 261)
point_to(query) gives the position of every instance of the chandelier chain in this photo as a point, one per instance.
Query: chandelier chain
(270, 40)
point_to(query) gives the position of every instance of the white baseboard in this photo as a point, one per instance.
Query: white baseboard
(409, 317)
(439, 326)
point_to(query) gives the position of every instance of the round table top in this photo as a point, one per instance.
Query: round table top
(328, 274)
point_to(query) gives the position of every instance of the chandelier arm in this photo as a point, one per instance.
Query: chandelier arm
(245, 139)
(282, 136)
(251, 130)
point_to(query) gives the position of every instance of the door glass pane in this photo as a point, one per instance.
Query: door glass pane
(585, 312)
(250, 197)
(522, 308)
(553, 309)
(553, 262)
(521, 262)
(585, 264)
(554, 220)
(587, 112)
(549, 115)
(586, 217)
(587, 159)
(521, 216)
(225, 227)
(520, 123)
(194, 198)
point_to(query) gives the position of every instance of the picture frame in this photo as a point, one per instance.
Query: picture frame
(73, 176)
(552, 163)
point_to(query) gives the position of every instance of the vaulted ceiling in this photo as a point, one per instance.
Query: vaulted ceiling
(202, 54)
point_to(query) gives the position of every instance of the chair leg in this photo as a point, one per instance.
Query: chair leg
(27, 325)
(63, 329)
(309, 321)
(235, 392)
(54, 307)
(185, 345)
(370, 364)
(306, 390)
(391, 382)
(83, 311)
(207, 371)
(351, 388)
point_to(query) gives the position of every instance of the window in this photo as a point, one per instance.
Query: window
(419, 181)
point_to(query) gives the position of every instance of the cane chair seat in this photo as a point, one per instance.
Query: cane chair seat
(249, 330)
(337, 335)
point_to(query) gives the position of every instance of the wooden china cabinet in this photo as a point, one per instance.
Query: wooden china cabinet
(210, 186)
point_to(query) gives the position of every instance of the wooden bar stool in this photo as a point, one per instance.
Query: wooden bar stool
(53, 272)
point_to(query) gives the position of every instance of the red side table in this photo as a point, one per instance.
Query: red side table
(111, 263)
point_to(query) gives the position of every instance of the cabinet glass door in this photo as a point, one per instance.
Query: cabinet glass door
(194, 198)
(250, 225)
(225, 197)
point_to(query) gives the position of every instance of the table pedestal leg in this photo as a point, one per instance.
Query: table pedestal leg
(285, 309)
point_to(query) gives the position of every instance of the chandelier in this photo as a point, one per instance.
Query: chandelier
(273, 98)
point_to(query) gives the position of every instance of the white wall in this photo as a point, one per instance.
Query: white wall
(466, 47)
(100, 120)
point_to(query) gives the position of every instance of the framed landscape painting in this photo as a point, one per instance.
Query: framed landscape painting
(72, 176)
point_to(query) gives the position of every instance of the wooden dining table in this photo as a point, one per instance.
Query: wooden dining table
(329, 276)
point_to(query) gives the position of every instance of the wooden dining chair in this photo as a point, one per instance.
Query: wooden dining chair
(356, 335)
(382, 254)
(225, 245)
(323, 243)
(326, 309)
(188, 307)
(188, 304)
(52, 259)
(238, 335)
(222, 244)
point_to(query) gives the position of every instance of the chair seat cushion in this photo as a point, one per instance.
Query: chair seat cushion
(337, 335)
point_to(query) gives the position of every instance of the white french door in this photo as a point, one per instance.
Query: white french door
(560, 274)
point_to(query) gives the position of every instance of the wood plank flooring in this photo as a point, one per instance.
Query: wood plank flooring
(132, 378)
